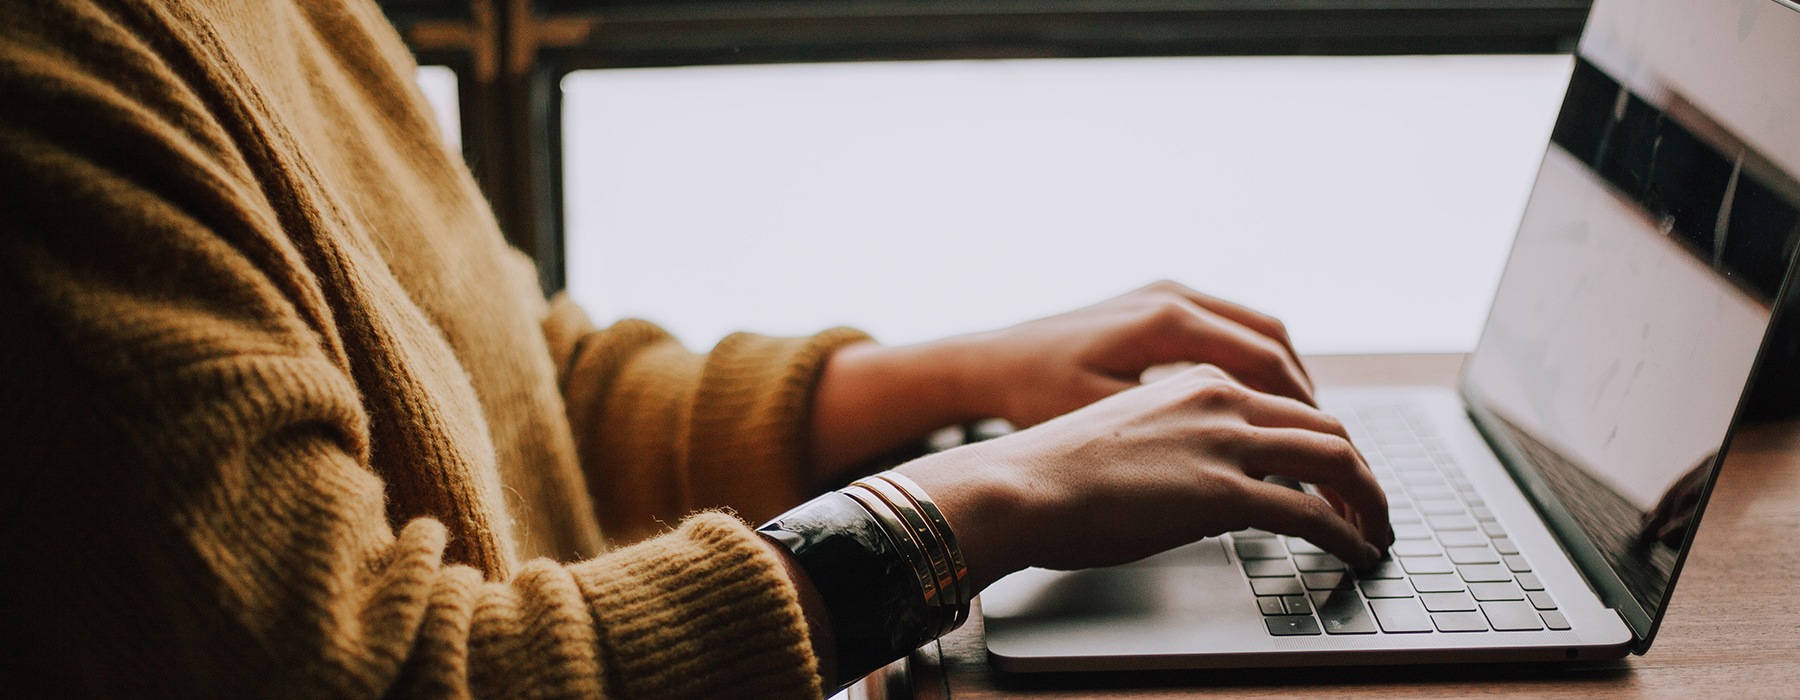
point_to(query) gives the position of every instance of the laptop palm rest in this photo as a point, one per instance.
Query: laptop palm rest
(1171, 601)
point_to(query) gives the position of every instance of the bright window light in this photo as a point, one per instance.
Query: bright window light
(1369, 202)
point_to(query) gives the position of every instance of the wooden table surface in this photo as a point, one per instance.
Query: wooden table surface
(1732, 630)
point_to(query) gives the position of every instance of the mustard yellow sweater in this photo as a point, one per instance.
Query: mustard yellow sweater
(282, 416)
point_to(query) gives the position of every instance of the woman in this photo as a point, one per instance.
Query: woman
(286, 416)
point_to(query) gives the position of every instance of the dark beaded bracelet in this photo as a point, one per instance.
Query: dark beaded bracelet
(877, 607)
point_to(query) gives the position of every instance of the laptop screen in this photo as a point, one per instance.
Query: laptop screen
(1631, 312)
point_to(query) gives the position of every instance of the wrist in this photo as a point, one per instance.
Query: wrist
(966, 372)
(872, 400)
(946, 377)
(988, 511)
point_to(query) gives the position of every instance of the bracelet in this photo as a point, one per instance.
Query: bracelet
(885, 563)
(958, 567)
(933, 559)
(910, 517)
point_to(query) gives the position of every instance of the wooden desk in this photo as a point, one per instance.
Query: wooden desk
(1732, 631)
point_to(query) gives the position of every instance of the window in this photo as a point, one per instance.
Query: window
(1416, 163)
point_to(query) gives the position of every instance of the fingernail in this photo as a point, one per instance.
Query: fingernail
(1370, 555)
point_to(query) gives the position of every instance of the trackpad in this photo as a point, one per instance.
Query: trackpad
(1185, 578)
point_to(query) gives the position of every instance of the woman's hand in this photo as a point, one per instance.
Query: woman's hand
(873, 399)
(1039, 370)
(1152, 468)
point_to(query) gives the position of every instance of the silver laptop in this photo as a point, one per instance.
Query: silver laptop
(1544, 508)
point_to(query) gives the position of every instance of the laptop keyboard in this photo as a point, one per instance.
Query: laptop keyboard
(1452, 568)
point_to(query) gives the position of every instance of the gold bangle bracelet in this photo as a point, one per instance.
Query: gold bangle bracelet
(903, 541)
(924, 533)
(915, 550)
(929, 540)
(957, 565)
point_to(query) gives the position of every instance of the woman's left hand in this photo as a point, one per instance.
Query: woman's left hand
(1039, 370)
(873, 399)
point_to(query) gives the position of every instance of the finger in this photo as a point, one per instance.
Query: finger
(1259, 362)
(1281, 412)
(1261, 323)
(1379, 531)
(1327, 460)
(1271, 411)
(1157, 373)
(1286, 511)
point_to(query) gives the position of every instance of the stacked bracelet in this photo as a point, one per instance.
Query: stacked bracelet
(886, 564)
(906, 513)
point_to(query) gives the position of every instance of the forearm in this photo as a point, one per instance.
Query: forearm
(872, 400)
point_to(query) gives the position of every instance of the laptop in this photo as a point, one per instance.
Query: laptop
(1544, 507)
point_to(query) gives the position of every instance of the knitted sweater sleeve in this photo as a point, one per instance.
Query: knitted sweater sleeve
(189, 506)
(663, 431)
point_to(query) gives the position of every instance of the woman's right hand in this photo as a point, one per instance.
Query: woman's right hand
(1152, 468)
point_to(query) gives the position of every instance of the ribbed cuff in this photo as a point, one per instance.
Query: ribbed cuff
(704, 611)
(751, 431)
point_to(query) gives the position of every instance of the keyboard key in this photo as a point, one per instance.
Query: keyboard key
(1530, 582)
(1462, 538)
(1327, 580)
(1517, 564)
(1505, 546)
(1493, 529)
(1428, 565)
(1404, 515)
(1299, 546)
(1343, 612)
(1391, 588)
(1387, 568)
(1297, 604)
(1403, 450)
(1482, 513)
(1438, 583)
(1276, 586)
(1496, 591)
(1422, 478)
(1260, 549)
(1484, 573)
(1291, 625)
(1413, 531)
(1541, 600)
(1400, 615)
(1415, 548)
(1269, 568)
(1318, 562)
(1554, 620)
(1448, 602)
(1438, 492)
(1512, 617)
(1252, 534)
(1473, 555)
(1413, 464)
(1450, 522)
(1430, 508)
(1457, 622)
(1271, 605)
